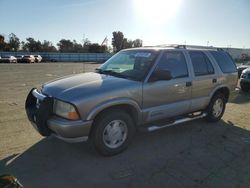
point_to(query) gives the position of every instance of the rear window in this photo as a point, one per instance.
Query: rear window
(201, 63)
(224, 61)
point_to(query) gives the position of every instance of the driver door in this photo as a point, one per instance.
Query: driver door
(167, 98)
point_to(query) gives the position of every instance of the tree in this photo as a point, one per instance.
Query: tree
(117, 41)
(86, 44)
(137, 43)
(14, 42)
(47, 46)
(65, 45)
(2, 43)
(96, 48)
(77, 47)
(127, 43)
(23, 46)
(32, 45)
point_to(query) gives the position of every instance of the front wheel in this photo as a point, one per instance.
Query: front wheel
(112, 132)
(216, 108)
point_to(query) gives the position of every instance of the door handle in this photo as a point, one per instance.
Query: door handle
(214, 80)
(188, 84)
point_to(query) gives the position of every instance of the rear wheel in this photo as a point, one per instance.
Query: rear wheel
(216, 108)
(112, 132)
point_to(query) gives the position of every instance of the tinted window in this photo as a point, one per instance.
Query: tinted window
(224, 61)
(201, 63)
(175, 63)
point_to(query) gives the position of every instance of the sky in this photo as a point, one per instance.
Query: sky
(224, 23)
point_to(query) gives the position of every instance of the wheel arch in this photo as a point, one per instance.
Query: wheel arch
(224, 90)
(129, 106)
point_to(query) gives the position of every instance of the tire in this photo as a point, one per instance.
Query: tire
(216, 108)
(116, 125)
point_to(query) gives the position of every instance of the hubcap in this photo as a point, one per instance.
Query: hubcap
(115, 133)
(218, 107)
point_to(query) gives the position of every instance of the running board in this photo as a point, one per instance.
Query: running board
(183, 120)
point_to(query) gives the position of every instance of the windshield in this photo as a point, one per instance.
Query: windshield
(131, 64)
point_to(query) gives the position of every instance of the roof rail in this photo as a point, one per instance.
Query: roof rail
(183, 46)
(220, 49)
(172, 45)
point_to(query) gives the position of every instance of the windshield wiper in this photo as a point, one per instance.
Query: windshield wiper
(110, 72)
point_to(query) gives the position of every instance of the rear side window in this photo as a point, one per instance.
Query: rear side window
(201, 63)
(224, 61)
(174, 62)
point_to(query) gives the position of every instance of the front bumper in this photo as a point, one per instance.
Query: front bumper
(39, 109)
(5, 61)
(245, 82)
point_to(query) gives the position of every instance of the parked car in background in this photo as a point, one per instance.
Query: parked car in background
(28, 59)
(242, 67)
(19, 58)
(8, 59)
(245, 80)
(38, 58)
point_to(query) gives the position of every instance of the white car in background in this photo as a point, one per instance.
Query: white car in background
(28, 59)
(38, 58)
(242, 67)
(8, 59)
(19, 58)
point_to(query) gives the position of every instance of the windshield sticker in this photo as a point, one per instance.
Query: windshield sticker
(142, 54)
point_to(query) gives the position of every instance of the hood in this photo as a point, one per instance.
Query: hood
(247, 70)
(83, 85)
(243, 66)
(4, 58)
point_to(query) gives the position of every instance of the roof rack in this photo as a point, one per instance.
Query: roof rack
(183, 46)
(172, 45)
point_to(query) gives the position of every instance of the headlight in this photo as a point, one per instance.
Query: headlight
(243, 75)
(65, 110)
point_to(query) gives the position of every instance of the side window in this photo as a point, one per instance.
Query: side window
(174, 62)
(201, 63)
(224, 61)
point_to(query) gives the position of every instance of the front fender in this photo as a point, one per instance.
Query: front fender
(112, 103)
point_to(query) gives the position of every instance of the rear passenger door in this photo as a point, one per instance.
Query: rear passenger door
(204, 79)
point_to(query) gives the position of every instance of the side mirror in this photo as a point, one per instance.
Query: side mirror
(160, 75)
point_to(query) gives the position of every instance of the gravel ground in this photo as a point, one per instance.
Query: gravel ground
(194, 154)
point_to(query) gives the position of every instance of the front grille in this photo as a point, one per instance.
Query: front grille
(39, 110)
